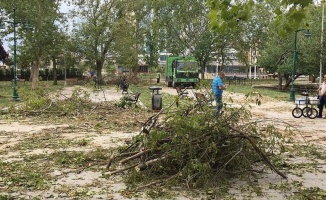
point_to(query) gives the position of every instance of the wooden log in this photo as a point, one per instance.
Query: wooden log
(122, 170)
(144, 165)
(113, 157)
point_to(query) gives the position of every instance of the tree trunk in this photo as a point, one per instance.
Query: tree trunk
(99, 67)
(202, 74)
(289, 80)
(287, 83)
(55, 80)
(35, 72)
(202, 69)
(279, 77)
(312, 78)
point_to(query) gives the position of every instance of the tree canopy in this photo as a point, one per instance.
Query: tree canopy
(119, 31)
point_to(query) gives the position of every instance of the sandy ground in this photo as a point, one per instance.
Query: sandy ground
(310, 130)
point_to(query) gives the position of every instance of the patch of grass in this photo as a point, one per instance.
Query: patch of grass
(246, 89)
(48, 141)
(24, 91)
(315, 193)
(82, 142)
(6, 197)
(26, 174)
(75, 192)
(34, 171)
(309, 150)
(252, 189)
(249, 88)
(159, 193)
(73, 159)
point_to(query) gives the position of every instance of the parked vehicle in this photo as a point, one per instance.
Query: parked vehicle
(181, 71)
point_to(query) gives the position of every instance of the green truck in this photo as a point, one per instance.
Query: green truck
(181, 71)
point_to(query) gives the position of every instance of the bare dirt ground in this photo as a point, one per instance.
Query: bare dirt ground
(309, 129)
(89, 184)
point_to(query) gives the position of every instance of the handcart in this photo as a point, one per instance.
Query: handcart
(308, 110)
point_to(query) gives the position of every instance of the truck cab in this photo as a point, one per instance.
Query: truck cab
(181, 71)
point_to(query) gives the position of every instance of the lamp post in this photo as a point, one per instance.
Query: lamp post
(307, 33)
(321, 42)
(27, 26)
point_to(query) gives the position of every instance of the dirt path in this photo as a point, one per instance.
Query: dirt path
(310, 129)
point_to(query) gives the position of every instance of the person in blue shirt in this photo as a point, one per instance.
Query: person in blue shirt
(218, 87)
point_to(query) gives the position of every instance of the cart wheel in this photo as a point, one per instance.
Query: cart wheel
(297, 112)
(306, 111)
(313, 113)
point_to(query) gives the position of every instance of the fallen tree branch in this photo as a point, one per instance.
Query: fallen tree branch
(122, 170)
(113, 157)
(231, 159)
(256, 148)
(134, 156)
(147, 126)
(144, 165)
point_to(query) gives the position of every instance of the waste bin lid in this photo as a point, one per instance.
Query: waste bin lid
(155, 88)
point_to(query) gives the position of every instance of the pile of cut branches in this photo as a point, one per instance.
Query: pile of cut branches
(193, 147)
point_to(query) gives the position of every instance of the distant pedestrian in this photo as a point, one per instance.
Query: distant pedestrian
(218, 87)
(158, 77)
(123, 84)
(322, 97)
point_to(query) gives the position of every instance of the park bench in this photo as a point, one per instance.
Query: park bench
(182, 91)
(133, 98)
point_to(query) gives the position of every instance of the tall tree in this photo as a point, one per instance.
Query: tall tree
(94, 31)
(41, 14)
(253, 34)
(130, 33)
(186, 31)
(277, 54)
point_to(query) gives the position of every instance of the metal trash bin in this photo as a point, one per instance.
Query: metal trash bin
(156, 97)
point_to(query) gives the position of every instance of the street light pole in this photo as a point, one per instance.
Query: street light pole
(15, 23)
(321, 42)
(292, 90)
(15, 96)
